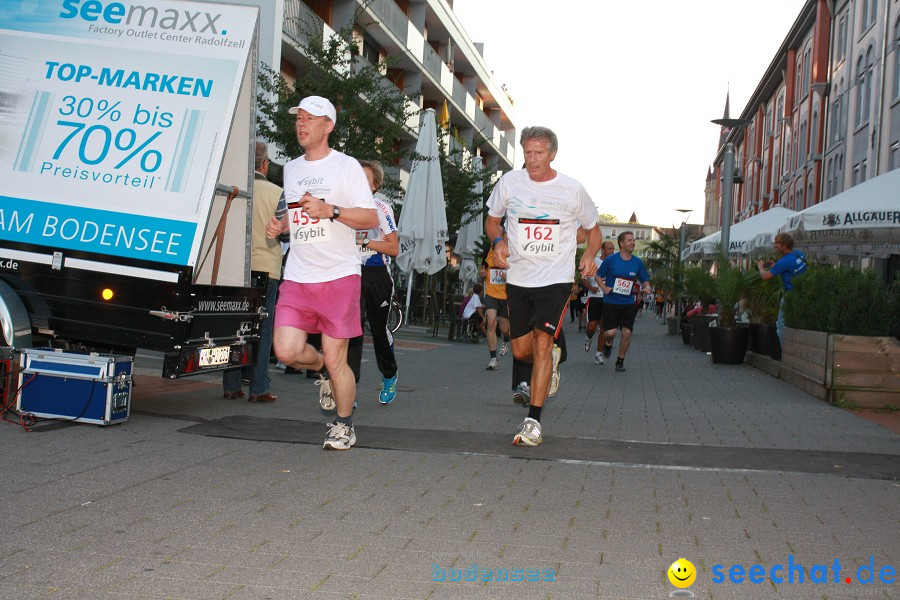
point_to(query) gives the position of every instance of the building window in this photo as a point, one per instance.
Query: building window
(870, 74)
(836, 116)
(801, 146)
(370, 50)
(894, 158)
(797, 83)
(843, 111)
(813, 134)
(839, 174)
(855, 178)
(867, 17)
(798, 197)
(786, 152)
(807, 69)
(897, 59)
(829, 179)
(779, 113)
(809, 196)
(861, 96)
(798, 150)
(841, 50)
(768, 131)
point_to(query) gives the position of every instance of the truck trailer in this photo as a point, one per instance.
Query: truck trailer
(126, 166)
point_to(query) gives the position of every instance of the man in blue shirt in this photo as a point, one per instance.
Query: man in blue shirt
(620, 276)
(791, 264)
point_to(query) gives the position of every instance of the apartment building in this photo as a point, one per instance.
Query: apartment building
(433, 61)
(824, 117)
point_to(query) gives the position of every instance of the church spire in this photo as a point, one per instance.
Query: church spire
(723, 134)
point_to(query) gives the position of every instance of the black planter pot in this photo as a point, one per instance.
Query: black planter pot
(759, 339)
(729, 344)
(685, 332)
(774, 342)
(700, 332)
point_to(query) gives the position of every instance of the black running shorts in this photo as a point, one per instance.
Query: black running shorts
(618, 315)
(537, 308)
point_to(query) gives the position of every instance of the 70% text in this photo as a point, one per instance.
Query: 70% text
(97, 140)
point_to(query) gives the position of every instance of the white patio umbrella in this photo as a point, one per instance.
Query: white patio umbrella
(741, 235)
(864, 219)
(467, 240)
(422, 228)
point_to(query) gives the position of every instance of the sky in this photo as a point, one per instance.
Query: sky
(630, 88)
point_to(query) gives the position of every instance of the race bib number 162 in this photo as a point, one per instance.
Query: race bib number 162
(538, 237)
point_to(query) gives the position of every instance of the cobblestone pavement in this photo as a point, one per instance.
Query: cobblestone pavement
(151, 509)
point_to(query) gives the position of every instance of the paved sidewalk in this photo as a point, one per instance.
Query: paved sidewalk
(621, 487)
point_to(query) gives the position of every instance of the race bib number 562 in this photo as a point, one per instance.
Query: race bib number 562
(538, 237)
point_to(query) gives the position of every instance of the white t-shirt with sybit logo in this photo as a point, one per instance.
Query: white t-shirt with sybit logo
(322, 249)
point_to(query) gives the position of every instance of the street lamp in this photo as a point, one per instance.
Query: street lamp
(728, 185)
(685, 213)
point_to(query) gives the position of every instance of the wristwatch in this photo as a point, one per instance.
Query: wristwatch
(335, 212)
(365, 243)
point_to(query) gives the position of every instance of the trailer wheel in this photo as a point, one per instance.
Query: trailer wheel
(15, 324)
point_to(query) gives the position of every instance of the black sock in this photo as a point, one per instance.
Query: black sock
(534, 412)
(348, 421)
(493, 353)
(620, 360)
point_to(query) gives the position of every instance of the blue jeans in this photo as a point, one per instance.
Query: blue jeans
(259, 373)
(779, 322)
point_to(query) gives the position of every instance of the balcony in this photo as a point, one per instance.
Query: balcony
(301, 23)
(391, 18)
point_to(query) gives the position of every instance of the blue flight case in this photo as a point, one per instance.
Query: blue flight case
(75, 386)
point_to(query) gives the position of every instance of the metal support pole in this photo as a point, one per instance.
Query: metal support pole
(727, 191)
(682, 242)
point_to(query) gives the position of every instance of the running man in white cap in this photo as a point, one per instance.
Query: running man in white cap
(328, 199)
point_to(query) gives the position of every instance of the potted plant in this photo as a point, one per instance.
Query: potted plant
(763, 297)
(840, 339)
(728, 341)
(698, 286)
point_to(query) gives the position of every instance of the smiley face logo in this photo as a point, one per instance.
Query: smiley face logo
(682, 573)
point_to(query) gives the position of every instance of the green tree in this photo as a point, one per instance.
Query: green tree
(663, 263)
(460, 175)
(371, 112)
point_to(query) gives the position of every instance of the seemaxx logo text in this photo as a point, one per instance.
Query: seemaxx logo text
(117, 13)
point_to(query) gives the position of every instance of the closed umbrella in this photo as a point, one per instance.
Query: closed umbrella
(422, 228)
(467, 239)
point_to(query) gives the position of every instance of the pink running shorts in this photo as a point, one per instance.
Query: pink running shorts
(330, 307)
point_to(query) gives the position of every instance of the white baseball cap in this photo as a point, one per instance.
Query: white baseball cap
(318, 106)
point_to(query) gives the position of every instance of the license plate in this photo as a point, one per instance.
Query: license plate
(210, 357)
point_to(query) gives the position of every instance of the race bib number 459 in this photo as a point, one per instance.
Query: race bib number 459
(308, 230)
(538, 237)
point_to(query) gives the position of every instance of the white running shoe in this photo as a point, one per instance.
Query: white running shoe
(588, 342)
(340, 437)
(529, 433)
(504, 348)
(522, 395)
(599, 359)
(554, 376)
(326, 398)
(493, 365)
